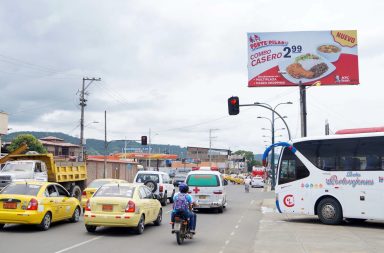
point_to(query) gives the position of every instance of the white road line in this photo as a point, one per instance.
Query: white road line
(233, 233)
(237, 226)
(79, 244)
(226, 242)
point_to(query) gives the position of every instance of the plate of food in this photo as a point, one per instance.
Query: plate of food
(306, 68)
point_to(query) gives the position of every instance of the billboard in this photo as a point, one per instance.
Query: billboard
(280, 59)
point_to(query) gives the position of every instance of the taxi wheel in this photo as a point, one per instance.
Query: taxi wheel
(220, 209)
(157, 222)
(140, 226)
(2, 226)
(46, 222)
(76, 215)
(90, 228)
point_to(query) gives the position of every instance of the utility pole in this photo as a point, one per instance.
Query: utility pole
(303, 110)
(149, 149)
(83, 105)
(105, 144)
(210, 143)
(326, 127)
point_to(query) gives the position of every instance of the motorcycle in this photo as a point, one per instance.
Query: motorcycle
(181, 229)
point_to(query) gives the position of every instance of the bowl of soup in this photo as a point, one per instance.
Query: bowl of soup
(331, 52)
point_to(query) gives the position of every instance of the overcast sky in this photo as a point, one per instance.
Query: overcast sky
(170, 66)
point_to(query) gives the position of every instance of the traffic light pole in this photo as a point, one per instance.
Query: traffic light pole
(273, 111)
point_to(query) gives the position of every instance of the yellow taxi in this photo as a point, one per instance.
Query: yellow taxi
(122, 205)
(94, 185)
(39, 203)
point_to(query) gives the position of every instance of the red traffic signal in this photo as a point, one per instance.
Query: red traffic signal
(233, 106)
(143, 140)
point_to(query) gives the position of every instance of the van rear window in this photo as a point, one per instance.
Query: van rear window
(203, 180)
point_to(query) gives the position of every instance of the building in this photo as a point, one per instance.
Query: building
(219, 157)
(59, 148)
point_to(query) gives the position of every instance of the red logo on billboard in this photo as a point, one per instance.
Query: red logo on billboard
(289, 201)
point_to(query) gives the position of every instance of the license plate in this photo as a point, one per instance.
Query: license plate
(107, 208)
(177, 226)
(10, 205)
(202, 197)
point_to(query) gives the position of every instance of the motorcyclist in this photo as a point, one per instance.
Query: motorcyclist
(247, 182)
(182, 205)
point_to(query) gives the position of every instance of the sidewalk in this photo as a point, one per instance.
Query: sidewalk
(299, 233)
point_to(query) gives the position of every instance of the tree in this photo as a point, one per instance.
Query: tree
(30, 140)
(249, 157)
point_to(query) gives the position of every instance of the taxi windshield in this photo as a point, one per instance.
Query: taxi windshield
(21, 189)
(203, 180)
(115, 191)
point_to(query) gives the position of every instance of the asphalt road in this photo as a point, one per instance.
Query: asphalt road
(232, 231)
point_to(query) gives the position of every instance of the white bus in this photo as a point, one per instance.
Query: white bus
(335, 177)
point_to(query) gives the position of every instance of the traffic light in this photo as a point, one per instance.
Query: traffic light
(233, 105)
(143, 140)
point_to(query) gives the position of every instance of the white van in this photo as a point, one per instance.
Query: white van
(207, 187)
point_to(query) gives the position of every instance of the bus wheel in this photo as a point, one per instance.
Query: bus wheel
(329, 211)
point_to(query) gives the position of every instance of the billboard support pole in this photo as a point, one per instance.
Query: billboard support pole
(303, 109)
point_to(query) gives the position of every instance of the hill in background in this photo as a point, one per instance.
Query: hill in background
(96, 147)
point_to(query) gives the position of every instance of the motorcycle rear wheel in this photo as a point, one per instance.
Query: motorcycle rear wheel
(179, 238)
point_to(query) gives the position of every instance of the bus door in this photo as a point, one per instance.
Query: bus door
(291, 195)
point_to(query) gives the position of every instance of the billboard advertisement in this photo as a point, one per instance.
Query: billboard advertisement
(280, 59)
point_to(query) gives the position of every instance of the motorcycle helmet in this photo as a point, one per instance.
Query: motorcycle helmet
(183, 188)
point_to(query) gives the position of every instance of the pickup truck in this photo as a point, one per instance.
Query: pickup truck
(42, 167)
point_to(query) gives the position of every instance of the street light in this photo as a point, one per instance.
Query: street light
(272, 120)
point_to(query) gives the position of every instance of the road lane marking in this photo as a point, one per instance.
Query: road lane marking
(237, 226)
(233, 233)
(79, 244)
(226, 242)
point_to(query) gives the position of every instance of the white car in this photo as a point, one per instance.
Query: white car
(159, 183)
(257, 182)
(206, 186)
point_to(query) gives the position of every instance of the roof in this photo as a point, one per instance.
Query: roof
(59, 144)
(214, 172)
(339, 136)
(110, 159)
(51, 138)
(150, 172)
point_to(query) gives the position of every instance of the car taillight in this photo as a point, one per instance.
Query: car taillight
(88, 206)
(33, 204)
(217, 192)
(84, 194)
(195, 168)
(161, 188)
(214, 168)
(130, 207)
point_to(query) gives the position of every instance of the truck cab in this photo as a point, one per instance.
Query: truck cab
(23, 170)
